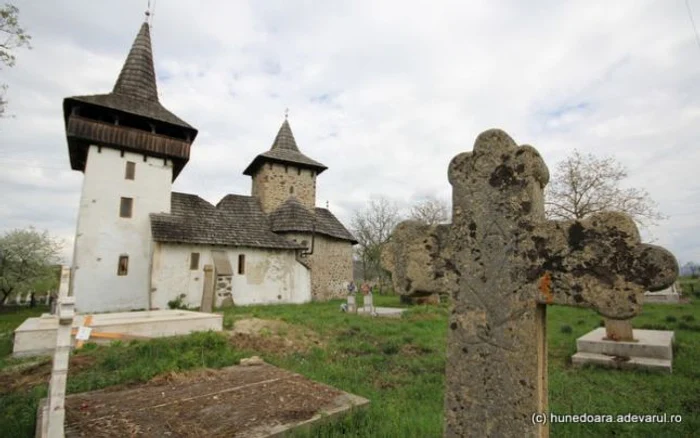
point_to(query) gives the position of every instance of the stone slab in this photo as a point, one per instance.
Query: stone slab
(654, 344)
(240, 401)
(385, 312)
(37, 336)
(662, 298)
(663, 365)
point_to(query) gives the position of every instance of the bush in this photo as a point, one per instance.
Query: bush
(566, 329)
(178, 303)
(690, 327)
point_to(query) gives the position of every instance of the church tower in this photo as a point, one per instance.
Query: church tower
(284, 172)
(130, 150)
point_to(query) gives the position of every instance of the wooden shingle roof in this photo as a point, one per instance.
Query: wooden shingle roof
(235, 221)
(292, 216)
(284, 150)
(135, 91)
(239, 221)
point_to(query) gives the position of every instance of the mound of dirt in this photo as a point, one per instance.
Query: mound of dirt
(37, 373)
(272, 336)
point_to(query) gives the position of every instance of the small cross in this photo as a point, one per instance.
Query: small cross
(503, 263)
(286, 113)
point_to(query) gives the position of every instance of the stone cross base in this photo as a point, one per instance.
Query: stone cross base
(651, 350)
(618, 330)
(352, 304)
(367, 303)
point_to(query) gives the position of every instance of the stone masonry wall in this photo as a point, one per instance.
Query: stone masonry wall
(224, 297)
(331, 266)
(273, 183)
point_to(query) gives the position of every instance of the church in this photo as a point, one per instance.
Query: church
(139, 245)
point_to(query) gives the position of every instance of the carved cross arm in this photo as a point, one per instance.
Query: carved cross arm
(599, 263)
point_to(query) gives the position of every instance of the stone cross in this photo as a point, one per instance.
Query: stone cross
(502, 262)
(55, 414)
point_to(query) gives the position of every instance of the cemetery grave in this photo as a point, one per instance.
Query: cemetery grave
(239, 401)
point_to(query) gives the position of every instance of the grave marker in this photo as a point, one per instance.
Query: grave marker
(55, 416)
(503, 263)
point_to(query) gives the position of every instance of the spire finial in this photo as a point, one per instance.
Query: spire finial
(286, 113)
(327, 205)
(150, 12)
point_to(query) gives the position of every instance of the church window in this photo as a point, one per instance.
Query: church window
(123, 267)
(130, 170)
(298, 171)
(291, 190)
(194, 261)
(126, 207)
(286, 169)
(241, 264)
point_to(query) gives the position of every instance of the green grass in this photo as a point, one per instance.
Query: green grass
(399, 365)
(10, 318)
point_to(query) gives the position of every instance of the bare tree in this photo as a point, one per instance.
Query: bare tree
(692, 268)
(372, 227)
(585, 184)
(431, 211)
(12, 36)
(26, 258)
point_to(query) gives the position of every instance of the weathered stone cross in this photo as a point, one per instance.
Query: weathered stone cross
(502, 262)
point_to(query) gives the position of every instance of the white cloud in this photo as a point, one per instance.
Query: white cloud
(383, 93)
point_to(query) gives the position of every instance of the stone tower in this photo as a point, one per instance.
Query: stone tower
(130, 149)
(284, 181)
(284, 172)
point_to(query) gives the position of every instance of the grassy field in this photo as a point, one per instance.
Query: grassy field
(397, 364)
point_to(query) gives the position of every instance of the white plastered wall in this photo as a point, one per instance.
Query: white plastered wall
(103, 236)
(270, 276)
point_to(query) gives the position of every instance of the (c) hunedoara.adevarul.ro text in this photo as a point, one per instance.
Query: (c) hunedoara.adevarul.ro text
(544, 418)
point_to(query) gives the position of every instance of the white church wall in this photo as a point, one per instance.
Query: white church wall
(269, 276)
(103, 236)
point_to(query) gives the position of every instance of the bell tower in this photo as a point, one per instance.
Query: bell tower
(130, 150)
(284, 172)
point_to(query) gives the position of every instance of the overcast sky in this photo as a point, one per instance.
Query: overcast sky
(382, 92)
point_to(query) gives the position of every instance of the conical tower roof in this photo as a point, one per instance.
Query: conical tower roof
(135, 91)
(285, 138)
(138, 77)
(130, 118)
(284, 150)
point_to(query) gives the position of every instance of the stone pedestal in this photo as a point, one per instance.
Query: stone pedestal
(666, 296)
(352, 304)
(367, 303)
(649, 349)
